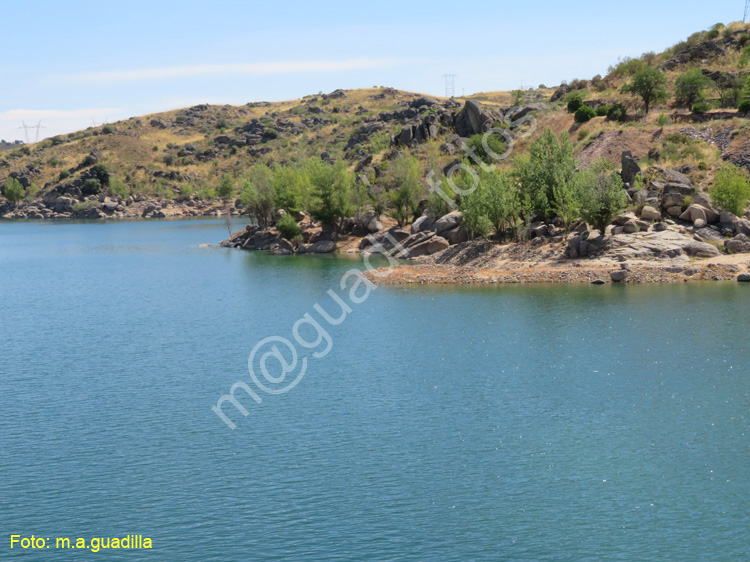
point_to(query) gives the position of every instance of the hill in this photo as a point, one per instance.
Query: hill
(171, 164)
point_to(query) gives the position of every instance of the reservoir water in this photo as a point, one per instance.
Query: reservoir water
(560, 423)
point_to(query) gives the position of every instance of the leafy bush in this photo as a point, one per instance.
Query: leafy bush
(602, 197)
(118, 187)
(575, 101)
(270, 134)
(91, 186)
(288, 227)
(700, 107)
(404, 188)
(598, 83)
(14, 191)
(731, 189)
(225, 189)
(63, 175)
(602, 110)
(101, 173)
(617, 113)
(495, 143)
(744, 106)
(626, 67)
(662, 121)
(107, 130)
(584, 114)
(168, 159)
(495, 204)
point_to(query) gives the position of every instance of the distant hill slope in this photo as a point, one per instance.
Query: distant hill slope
(183, 154)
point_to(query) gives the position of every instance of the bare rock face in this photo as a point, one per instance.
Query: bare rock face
(630, 168)
(648, 213)
(473, 119)
(740, 244)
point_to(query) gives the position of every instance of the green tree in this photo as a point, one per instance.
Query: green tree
(690, 87)
(549, 163)
(575, 101)
(495, 204)
(288, 227)
(14, 191)
(291, 188)
(91, 186)
(602, 197)
(517, 97)
(731, 189)
(331, 195)
(256, 194)
(225, 189)
(650, 85)
(584, 114)
(405, 188)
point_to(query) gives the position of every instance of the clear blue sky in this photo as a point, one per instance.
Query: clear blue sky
(68, 63)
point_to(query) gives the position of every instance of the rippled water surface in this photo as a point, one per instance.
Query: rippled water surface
(514, 423)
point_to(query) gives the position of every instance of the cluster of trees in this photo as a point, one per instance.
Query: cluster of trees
(543, 184)
(650, 85)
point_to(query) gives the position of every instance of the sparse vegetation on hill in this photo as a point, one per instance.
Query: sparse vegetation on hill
(351, 160)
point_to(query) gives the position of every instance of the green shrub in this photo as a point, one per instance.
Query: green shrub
(91, 186)
(168, 159)
(14, 191)
(582, 134)
(575, 102)
(495, 143)
(602, 197)
(118, 187)
(700, 107)
(270, 134)
(225, 189)
(584, 114)
(101, 173)
(602, 110)
(662, 121)
(107, 130)
(617, 113)
(288, 227)
(744, 106)
(63, 175)
(731, 190)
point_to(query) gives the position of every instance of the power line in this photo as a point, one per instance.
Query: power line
(25, 128)
(38, 126)
(747, 11)
(450, 83)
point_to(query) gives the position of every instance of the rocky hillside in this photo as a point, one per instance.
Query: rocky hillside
(175, 160)
(170, 164)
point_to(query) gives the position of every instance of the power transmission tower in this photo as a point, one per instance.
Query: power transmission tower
(38, 126)
(450, 83)
(747, 11)
(25, 128)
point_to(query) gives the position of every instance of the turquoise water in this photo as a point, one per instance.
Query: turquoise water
(517, 423)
